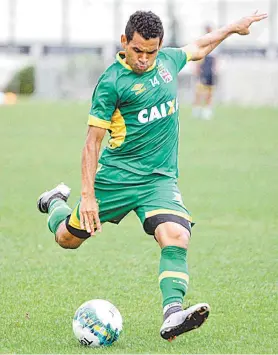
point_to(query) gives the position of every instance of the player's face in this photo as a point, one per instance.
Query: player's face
(140, 53)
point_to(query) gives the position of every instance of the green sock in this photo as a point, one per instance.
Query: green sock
(58, 212)
(173, 274)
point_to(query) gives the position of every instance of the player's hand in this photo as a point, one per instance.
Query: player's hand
(89, 218)
(242, 26)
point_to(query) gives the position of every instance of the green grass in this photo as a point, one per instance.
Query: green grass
(228, 178)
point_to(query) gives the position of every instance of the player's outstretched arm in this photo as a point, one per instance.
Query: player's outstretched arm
(207, 43)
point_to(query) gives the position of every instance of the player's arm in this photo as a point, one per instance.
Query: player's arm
(104, 102)
(90, 154)
(207, 43)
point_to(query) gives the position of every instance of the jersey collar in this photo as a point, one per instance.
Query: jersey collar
(124, 64)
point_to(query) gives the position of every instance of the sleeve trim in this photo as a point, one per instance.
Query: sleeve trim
(98, 122)
(188, 56)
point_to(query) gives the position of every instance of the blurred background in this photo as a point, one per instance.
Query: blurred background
(51, 55)
(56, 49)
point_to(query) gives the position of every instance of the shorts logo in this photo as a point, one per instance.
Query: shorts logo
(177, 197)
(138, 89)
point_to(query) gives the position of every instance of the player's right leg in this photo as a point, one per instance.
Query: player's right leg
(115, 199)
(54, 202)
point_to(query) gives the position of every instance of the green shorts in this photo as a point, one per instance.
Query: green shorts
(155, 199)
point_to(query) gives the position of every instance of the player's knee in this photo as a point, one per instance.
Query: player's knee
(171, 233)
(66, 240)
(65, 243)
(180, 235)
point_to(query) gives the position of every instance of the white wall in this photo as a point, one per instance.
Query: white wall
(249, 81)
(97, 21)
(241, 81)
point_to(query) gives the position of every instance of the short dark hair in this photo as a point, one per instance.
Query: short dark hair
(146, 23)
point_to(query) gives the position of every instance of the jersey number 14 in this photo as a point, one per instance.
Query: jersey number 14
(154, 82)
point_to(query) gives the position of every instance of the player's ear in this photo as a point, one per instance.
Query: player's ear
(160, 44)
(124, 41)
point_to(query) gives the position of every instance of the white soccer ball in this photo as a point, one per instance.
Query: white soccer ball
(97, 323)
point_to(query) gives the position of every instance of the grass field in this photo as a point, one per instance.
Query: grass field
(228, 178)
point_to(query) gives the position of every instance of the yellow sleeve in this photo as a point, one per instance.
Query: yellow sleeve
(98, 122)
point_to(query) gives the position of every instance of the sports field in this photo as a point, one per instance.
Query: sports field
(228, 178)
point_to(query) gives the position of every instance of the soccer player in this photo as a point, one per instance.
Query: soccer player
(136, 101)
(206, 75)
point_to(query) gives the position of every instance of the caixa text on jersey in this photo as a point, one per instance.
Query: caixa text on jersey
(160, 111)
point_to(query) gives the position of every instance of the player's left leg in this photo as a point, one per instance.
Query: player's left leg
(173, 239)
(164, 216)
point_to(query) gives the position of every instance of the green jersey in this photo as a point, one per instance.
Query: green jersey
(141, 113)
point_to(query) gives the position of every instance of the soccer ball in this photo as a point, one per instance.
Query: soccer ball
(97, 323)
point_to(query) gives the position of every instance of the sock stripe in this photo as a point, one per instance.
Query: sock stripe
(54, 210)
(173, 274)
(59, 211)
